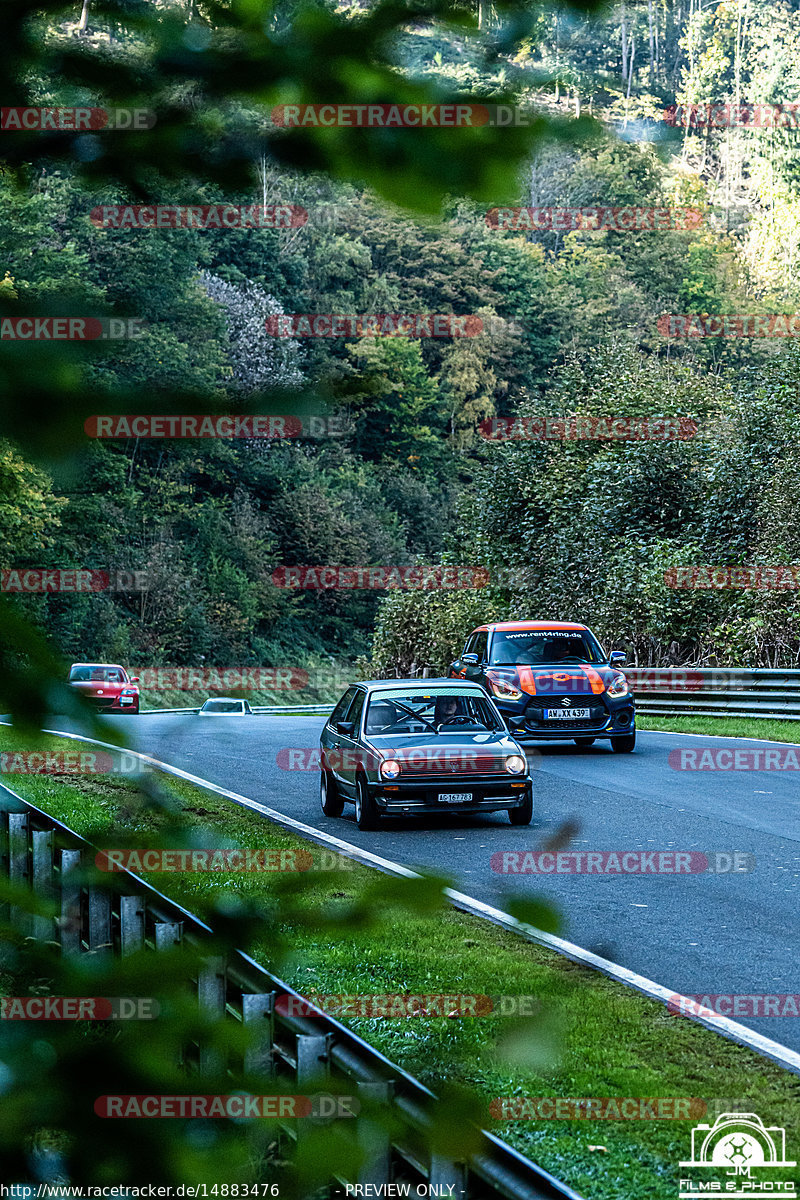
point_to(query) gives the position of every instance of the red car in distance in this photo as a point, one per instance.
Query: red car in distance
(106, 686)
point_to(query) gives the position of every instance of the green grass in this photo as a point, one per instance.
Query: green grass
(765, 729)
(591, 1038)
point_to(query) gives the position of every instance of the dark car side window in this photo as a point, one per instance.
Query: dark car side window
(470, 644)
(481, 642)
(355, 710)
(342, 707)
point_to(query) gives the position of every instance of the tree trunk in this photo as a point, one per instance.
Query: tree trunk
(558, 63)
(624, 44)
(630, 71)
(84, 21)
(652, 37)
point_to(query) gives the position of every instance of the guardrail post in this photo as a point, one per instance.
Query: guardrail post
(258, 1014)
(167, 934)
(313, 1066)
(42, 871)
(312, 1057)
(18, 834)
(5, 869)
(70, 922)
(131, 924)
(211, 996)
(99, 920)
(444, 1172)
(373, 1137)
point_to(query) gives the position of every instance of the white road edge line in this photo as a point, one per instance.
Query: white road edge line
(720, 737)
(783, 1055)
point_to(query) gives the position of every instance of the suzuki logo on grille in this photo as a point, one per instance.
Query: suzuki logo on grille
(453, 766)
(565, 701)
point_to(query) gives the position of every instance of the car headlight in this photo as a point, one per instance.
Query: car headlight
(516, 764)
(129, 692)
(390, 769)
(504, 688)
(618, 686)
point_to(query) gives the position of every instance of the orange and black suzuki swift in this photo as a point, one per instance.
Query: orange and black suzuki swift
(552, 681)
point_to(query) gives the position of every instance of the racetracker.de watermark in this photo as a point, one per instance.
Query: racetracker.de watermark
(237, 1105)
(607, 428)
(388, 1007)
(357, 325)
(424, 578)
(223, 679)
(199, 216)
(400, 116)
(731, 116)
(587, 1108)
(221, 425)
(71, 579)
(75, 120)
(70, 329)
(778, 577)
(729, 325)
(609, 220)
(67, 762)
(724, 759)
(78, 1008)
(727, 1004)
(230, 860)
(621, 862)
(412, 761)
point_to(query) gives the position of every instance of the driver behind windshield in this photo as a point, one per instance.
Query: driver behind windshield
(445, 709)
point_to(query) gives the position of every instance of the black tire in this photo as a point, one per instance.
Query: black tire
(332, 803)
(584, 743)
(366, 808)
(623, 745)
(524, 814)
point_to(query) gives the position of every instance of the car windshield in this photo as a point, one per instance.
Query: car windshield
(223, 706)
(96, 675)
(535, 647)
(442, 711)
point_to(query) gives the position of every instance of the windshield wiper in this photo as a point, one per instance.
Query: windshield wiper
(417, 716)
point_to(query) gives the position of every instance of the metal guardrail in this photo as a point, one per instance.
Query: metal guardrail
(307, 710)
(44, 855)
(717, 691)
(667, 691)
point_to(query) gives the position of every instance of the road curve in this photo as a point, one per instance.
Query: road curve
(699, 933)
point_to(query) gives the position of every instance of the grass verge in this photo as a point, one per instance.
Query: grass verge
(764, 729)
(590, 1036)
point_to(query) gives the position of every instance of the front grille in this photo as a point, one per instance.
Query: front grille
(100, 701)
(452, 764)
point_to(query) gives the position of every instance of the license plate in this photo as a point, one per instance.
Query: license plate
(455, 797)
(566, 714)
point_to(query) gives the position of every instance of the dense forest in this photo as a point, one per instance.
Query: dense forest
(397, 458)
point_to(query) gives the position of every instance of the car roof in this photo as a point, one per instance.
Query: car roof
(116, 666)
(225, 700)
(552, 626)
(373, 685)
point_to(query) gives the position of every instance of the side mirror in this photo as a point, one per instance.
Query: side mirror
(134, 679)
(470, 659)
(617, 658)
(346, 727)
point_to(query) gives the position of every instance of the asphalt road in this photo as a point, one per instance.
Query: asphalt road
(694, 933)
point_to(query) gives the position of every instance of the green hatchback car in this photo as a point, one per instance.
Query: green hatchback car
(397, 747)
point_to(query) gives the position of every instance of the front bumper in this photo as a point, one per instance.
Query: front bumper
(493, 794)
(113, 704)
(607, 718)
